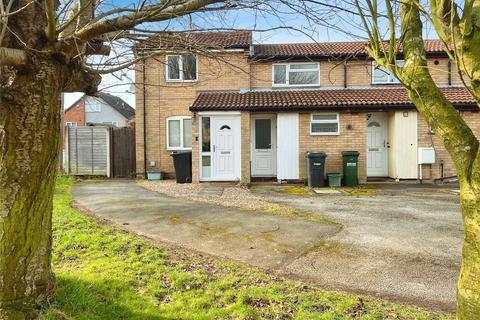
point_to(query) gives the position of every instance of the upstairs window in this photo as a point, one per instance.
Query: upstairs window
(181, 68)
(179, 133)
(296, 74)
(325, 124)
(93, 106)
(381, 75)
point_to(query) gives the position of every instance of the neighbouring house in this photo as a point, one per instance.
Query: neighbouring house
(250, 111)
(103, 109)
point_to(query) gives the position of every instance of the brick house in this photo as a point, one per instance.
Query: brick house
(103, 109)
(252, 110)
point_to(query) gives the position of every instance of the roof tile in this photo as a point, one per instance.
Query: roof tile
(324, 99)
(198, 40)
(326, 49)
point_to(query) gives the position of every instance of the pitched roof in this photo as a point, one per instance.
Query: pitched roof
(118, 104)
(198, 40)
(326, 49)
(324, 99)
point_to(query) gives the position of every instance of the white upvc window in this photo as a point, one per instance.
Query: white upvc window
(325, 124)
(380, 75)
(71, 124)
(179, 133)
(296, 74)
(93, 105)
(181, 68)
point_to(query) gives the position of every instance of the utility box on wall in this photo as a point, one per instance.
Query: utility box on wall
(426, 155)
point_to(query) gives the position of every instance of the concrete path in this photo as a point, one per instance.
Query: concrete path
(263, 240)
(403, 245)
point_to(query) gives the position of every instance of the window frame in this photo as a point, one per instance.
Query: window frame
(179, 118)
(390, 75)
(97, 104)
(205, 153)
(180, 66)
(287, 76)
(72, 124)
(337, 121)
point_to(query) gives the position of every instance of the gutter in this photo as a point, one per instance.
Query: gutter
(327, 108)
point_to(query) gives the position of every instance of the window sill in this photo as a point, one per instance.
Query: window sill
(386, 83)
(325, 134)
(295, 85)
(179, 149)
(181, 81)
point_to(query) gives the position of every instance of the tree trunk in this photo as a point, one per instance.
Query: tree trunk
(468, 288)
(29, 144)
(462, 145)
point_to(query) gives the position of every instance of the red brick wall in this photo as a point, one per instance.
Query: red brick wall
(76, 114)
(425, 139)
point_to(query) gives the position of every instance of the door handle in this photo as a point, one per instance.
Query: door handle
(213, 148)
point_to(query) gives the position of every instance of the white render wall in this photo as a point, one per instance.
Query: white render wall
(107, 113)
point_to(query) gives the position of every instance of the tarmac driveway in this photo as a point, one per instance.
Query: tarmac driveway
(403, 245)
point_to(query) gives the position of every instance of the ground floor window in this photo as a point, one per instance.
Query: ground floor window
(206, 148)
(325, 124)
(179, 133)
(71, 124)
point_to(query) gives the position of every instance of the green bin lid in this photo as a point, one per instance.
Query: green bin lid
(350, 153)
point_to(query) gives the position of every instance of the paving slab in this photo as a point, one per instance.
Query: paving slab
(256, 238)
(216, 191)
(327, 191)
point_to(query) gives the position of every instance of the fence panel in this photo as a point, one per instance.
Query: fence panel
(88, 151)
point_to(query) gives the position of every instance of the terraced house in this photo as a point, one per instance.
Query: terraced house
(251, 111)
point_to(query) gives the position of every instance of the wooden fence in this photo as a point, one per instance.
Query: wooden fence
(100, 151)
(123, 152)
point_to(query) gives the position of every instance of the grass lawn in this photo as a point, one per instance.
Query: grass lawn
(105, 273)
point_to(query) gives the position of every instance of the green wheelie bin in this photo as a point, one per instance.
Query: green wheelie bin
(350, 167)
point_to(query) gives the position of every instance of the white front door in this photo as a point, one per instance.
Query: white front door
(226, 148)
(263, 145)
(377, 135)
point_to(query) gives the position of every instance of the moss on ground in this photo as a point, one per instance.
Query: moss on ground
(105, 273)
(292, 212)
(297, 190)
(360, 190)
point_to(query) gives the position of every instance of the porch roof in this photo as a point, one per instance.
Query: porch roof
(370, 99)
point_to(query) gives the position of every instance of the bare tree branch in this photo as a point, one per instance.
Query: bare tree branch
(52, 20)
(152, 13)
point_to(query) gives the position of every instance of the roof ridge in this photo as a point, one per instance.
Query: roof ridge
(325, 42)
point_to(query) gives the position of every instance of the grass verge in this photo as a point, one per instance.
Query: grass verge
(105, 273)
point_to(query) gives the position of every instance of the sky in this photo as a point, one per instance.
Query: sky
(273, 24)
